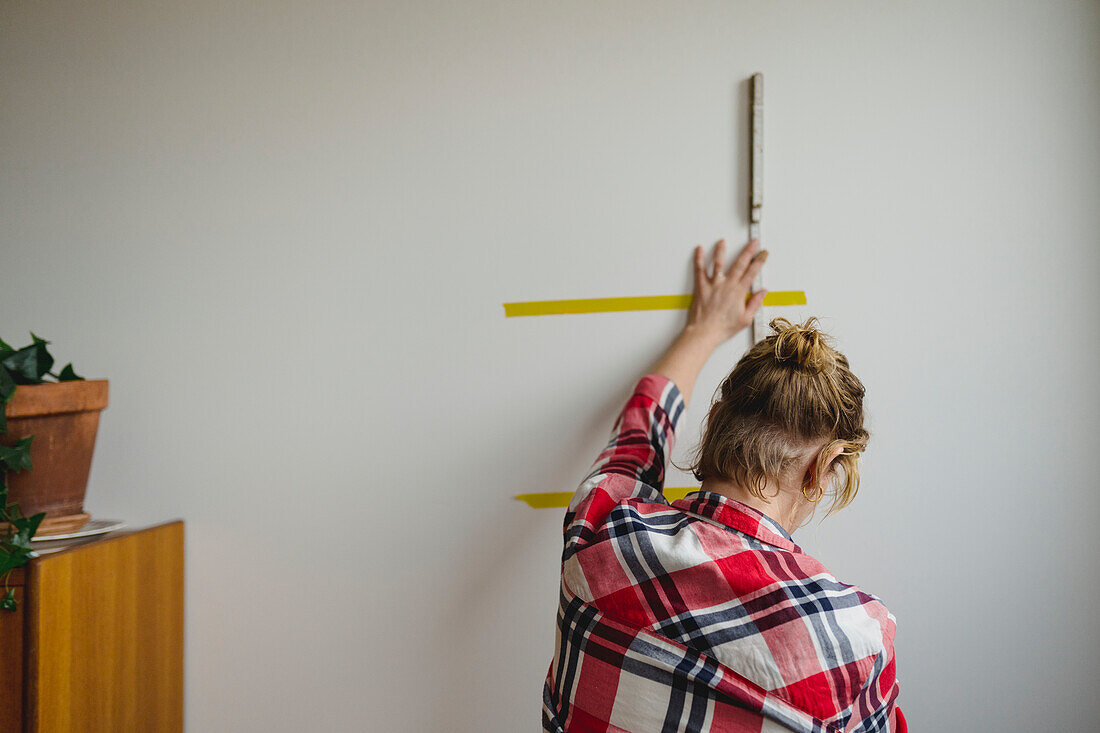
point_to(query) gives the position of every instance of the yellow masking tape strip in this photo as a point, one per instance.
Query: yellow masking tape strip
(640, 303)
(560, 499)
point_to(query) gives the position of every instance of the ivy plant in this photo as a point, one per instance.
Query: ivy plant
(28, 365)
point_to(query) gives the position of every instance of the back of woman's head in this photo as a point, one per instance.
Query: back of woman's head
(787, 395)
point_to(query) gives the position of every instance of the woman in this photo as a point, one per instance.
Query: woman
(703, 614)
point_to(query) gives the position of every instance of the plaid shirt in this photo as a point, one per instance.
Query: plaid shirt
(703, 615)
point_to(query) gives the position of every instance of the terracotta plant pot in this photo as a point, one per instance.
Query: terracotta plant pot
(63, 418)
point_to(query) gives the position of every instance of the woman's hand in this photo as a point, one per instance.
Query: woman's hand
(718, 311)
(721, 306)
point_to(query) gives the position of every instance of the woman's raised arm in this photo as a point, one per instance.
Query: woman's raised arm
(722, 305)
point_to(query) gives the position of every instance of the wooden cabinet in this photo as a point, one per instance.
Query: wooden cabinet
(97, 642)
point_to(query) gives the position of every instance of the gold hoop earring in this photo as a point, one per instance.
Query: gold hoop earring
(820, 493)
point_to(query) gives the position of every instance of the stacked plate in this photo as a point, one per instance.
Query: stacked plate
(89, 532)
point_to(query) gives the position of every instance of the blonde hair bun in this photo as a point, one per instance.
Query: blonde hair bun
(788, 390)
(803, 345)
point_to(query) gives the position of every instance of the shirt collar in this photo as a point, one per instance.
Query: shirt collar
(738, 516)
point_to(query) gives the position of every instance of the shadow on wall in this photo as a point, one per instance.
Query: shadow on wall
(511, 541)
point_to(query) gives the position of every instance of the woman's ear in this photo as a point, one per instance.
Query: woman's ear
(831, 452)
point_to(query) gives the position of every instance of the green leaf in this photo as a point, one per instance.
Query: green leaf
(7, 385)
(7, 389)
(27, 365)
(18, 456)
(25, 528)
(68, 375)
(38, 340)
(8, 603)
(4, 346)
(12, 557)
(19, 543)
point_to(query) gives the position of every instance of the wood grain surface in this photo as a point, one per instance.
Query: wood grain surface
(105, 635)
(11, 659)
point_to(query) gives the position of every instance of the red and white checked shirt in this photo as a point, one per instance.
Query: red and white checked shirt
(703, 615)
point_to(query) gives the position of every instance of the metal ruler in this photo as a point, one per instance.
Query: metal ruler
(756, 196)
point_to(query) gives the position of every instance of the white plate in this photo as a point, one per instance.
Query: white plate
(93, 527)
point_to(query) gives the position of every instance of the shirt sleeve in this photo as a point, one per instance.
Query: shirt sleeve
(633, 463)
(875, 709)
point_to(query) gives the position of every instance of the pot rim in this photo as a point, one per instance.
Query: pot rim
(53, 398)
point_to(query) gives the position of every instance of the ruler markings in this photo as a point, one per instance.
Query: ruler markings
(756, 198)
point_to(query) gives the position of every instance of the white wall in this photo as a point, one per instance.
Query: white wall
(284, 232)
